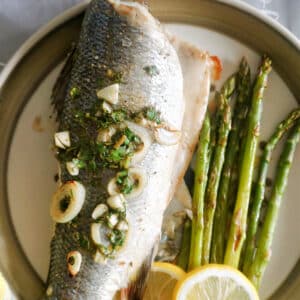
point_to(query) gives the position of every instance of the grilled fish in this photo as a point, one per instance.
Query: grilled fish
(119, 105)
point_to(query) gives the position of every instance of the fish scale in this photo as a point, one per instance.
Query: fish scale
(124, 38)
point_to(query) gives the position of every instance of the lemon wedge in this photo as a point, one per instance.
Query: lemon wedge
(215, 282)
(162, 280)
(4, 290)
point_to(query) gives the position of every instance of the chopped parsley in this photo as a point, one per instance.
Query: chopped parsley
(152, 115)
(106, 251)
(79, 162)
(117, 238)
(151, 70)
(84, 242)
(125, 183)
(119, 156)
(118, 116)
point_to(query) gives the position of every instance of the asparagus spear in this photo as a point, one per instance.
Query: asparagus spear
(201, 171)
(220, 221)
(183, 256)
(224, 125)
(237, 232)
(259, 193)
(263, 252)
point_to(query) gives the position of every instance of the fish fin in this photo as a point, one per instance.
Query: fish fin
(60, 88)
(136, 289)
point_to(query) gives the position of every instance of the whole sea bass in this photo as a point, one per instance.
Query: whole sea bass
(119, 104)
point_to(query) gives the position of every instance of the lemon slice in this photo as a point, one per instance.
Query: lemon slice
(215, 282)
(4, 290)
(162, 280)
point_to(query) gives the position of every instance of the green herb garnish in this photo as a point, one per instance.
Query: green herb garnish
(106, 251)
(152, 115)
(118, 116)
(84, 242)
(125, 183)
(151, 70)
(117, 238)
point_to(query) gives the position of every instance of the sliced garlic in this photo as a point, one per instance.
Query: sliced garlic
(189, 213)
(120, 142)
(112, 220)
(99, 211)
(140, 178)
(110, 93)
(105, 135)
(62, 139)
(72, 168)
(99, 258)
(122, 226)
(5, 291)
(144, 134)
(74, 259)
(99, 234)
(116, 202)
(143, 122)
(67, 202)
(112, 187)
(106, 107)
(49, 291)
(167, 137)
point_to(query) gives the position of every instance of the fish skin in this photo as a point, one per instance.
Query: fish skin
(123, 37)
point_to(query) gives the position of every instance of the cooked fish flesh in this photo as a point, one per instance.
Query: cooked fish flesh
(198, 69)
(119, 104)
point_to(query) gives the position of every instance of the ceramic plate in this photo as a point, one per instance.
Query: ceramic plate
(27, 165)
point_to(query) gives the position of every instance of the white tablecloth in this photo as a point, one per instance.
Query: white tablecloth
(20, 18)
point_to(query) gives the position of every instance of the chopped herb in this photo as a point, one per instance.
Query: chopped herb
(84, 242)
(121, 175)
(117, 238)
(79, 163)
(131, 136)
(106, 251)
(71, 260)
(120, 155)
(152, 115)
(116, 155)
(125, 182)
(64, 203)
(118, 116)
(92, 165)
(74, 93)
(151, 70)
